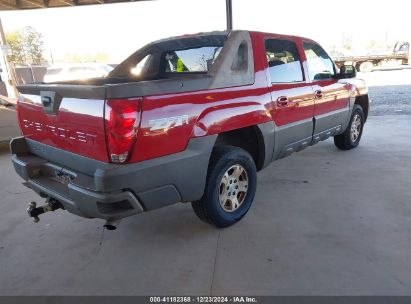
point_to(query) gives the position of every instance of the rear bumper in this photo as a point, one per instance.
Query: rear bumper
(94, 189)
(41, 177)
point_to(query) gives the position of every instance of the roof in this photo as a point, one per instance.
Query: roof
(32, 4)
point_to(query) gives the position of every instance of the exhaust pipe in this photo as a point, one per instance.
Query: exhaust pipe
(112, 224)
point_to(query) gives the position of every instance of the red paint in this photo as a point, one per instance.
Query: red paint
(78, 127)
(209, 112)
(335, 94)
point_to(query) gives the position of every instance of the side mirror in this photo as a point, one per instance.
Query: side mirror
(347, 71)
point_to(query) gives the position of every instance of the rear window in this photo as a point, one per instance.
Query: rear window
(191, 60)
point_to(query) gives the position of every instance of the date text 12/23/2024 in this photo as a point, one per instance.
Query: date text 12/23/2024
(204, 299)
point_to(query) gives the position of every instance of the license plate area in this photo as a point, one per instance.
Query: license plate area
(63, 177)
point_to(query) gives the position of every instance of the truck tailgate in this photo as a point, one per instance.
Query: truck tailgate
(70, 118)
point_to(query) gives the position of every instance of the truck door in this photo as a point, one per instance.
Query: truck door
(292, 96)
(331, 108)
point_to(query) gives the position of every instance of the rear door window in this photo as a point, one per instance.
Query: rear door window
(320, 64)
(191, 60)
(284, 61)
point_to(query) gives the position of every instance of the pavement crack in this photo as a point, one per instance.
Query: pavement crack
(380, 265)
(215, 263)
(17, 192)
(100, 245)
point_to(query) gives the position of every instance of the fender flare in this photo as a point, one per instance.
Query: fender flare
(222, 119)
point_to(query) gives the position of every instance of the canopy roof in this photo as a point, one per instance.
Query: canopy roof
(8, 5)
(32, 4)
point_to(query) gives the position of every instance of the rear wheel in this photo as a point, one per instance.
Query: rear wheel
(366, 67)
(230, 187)
(352, 135)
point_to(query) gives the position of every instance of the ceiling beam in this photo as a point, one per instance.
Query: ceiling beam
(8, 4)
(34, 4)
(38, 4)
(68, 2)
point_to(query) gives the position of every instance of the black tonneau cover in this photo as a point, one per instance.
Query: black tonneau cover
(121, 90)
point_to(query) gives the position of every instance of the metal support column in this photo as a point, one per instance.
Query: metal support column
(229, 12)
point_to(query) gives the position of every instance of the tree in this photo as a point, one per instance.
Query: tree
(14, 40)
(26, 45)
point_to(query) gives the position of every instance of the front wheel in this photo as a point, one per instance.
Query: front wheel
(230, 187)
(352, 135)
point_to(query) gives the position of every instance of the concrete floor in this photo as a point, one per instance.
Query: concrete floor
(324, 222)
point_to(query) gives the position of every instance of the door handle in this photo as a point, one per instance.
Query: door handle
(318, 94)
(282, 101)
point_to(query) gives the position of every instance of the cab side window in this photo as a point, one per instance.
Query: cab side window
(283, 61)
(319, 63)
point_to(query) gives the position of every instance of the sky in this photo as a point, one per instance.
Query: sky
(120, 29)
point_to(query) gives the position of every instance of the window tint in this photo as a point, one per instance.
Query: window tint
(191, 60)
(319, 64)
(283, 61)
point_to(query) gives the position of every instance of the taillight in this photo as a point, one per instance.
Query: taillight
(122, 117)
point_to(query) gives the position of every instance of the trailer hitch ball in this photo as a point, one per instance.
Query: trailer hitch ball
(34, 215)
(49, 206)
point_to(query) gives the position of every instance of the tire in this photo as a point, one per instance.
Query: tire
(352, 135)
(223, 177)
(366, 67)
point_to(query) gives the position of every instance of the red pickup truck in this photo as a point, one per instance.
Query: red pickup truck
(185, 119)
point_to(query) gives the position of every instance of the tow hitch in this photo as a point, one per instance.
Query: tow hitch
(50, 205)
